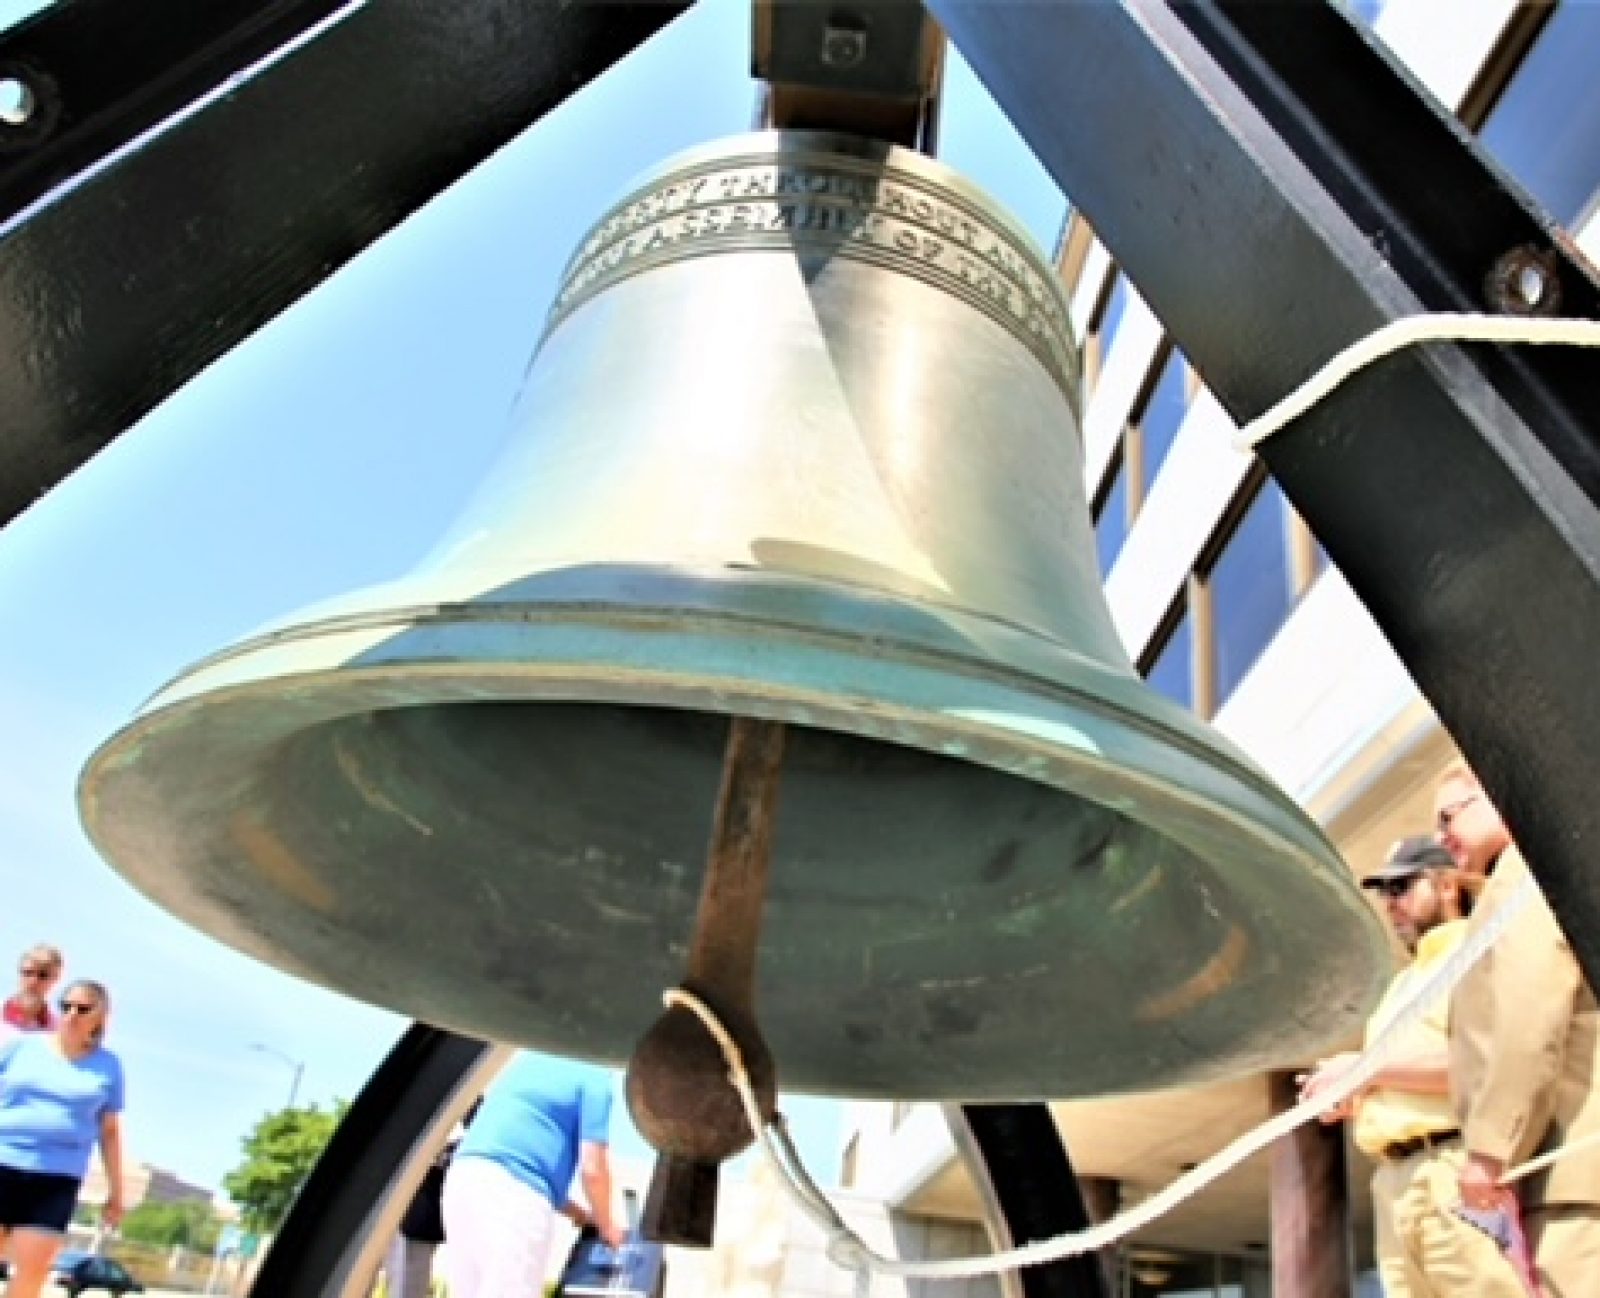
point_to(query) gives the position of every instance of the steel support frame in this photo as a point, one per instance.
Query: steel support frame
(1274, 186)
(1277, 189)
(161, 205)
(1018, 1162)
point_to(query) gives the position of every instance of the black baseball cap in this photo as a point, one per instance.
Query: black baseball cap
(1408, 857)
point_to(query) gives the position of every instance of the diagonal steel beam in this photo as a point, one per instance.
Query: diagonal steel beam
(1019, 1164)
(1277, 189)
(351, 1205)
(142, 271)
(97, 74)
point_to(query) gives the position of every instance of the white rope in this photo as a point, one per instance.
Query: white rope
(846, 1249)
(1439, 327)
(1544, 1160)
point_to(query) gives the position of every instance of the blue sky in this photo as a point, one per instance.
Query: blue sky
(327, 452)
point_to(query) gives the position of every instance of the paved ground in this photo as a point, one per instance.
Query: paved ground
(54, 1292)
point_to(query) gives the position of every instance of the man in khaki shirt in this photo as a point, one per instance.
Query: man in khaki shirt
(1404, 1121)
(1524, 1055)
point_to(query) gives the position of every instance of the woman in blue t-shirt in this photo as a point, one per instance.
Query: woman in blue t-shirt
(544, 1121)
(60, 1093)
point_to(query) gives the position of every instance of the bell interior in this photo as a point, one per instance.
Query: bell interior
(530, 872)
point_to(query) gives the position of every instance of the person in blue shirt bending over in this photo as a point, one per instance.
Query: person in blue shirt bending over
(542, 1121)
(60, 1093)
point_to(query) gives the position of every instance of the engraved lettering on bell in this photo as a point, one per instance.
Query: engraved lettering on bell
(817, 204)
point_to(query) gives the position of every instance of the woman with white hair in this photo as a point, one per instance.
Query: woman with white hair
(37, 972)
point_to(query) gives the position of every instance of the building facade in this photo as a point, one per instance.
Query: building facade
(144, 1183)
(1227, 604)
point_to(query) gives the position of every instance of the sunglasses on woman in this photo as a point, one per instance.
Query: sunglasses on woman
(78, 1007)
(1449, 812)
(34, 971)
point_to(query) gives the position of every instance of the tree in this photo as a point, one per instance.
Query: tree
(279, 1154)
(190, 1224)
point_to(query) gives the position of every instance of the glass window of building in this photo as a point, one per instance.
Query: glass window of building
(1250, 589)
(1072, 252)
(1159, 417)
(1112, 517)
(1165, 1273)
(1112, 312)
(1545, 127)
(1172, 672)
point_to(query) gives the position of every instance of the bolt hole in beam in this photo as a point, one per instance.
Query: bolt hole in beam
(1525, 281)
(18, 103)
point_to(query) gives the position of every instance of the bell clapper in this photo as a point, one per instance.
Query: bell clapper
(677, 1084)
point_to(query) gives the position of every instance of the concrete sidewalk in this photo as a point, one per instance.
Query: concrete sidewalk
(55, 1291)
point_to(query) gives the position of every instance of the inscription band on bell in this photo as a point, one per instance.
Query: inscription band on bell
(868, 211)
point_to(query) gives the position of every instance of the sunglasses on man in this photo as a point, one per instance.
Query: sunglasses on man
(34, 971)
(1394, 888)
(78, 1007)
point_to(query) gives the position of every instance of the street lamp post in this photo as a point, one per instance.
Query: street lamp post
(296, 1067)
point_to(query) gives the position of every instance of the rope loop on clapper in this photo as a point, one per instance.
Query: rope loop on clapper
(848, 1250)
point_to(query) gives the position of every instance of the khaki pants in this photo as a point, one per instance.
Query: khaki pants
(1424, 1249)
(1565, 1241)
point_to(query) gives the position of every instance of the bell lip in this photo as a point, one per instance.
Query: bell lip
(762, 146)
(368, 611)
(216, 681)
(1266, 851)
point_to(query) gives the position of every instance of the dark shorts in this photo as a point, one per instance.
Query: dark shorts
(36, 1200)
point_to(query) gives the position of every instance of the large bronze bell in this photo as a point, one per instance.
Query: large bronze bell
(800, 443)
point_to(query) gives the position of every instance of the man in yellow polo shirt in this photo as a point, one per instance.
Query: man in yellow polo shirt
(1404, 1120)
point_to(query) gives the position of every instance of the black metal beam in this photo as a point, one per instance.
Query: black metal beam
(1277, 189)
(315, 1252)
(1019, 1162)
(99, 73)
(1419, 192)
(136, 275)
